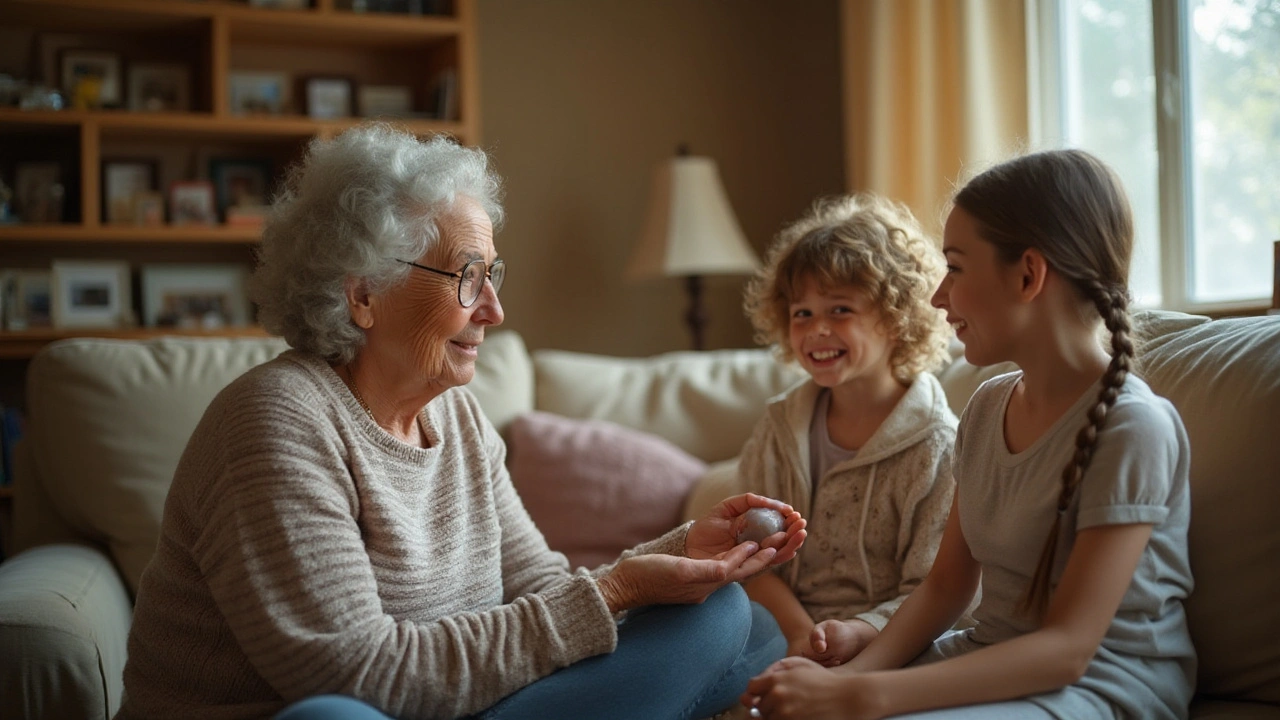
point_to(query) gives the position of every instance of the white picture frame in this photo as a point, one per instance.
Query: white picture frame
(394, 101)
(329, 98)
(91, 294)
(195, 297)
(258, 93)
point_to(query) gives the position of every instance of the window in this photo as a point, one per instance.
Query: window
(1182, 98)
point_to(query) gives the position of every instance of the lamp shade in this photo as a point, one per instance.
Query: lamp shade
(690, 228)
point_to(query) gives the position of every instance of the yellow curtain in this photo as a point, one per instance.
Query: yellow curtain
(933, 91)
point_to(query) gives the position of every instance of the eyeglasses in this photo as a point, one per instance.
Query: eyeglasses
(471, 278)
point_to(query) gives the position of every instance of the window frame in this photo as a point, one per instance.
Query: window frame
(1170, 23)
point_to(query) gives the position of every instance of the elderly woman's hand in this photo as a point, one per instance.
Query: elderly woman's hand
(717, 533)
(714, 558)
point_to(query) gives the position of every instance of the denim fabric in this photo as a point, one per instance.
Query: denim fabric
(672, 661)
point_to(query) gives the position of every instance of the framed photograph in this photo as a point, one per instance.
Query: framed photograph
(91, 294)
(385, 100)
(38, 192)
(205, 297)
(159, 88)
(122, 181)
(328, 98)
(254, 93)
(91, 78)
(148, 209)
(191, 203)
(242, 183)
(27, 301)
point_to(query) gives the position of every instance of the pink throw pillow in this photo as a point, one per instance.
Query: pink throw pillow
(595, 488)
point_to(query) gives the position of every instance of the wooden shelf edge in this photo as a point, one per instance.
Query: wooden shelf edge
(23, 344)
(179, 123)
(176, 234)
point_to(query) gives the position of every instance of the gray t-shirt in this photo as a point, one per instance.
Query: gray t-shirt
(1145, 666)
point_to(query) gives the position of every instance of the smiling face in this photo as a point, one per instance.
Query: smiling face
(837, 335)
(979, 292)
(421, 325)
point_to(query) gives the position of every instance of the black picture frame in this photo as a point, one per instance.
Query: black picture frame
(240, 182)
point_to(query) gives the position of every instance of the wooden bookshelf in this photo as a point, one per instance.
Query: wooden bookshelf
(213, 40)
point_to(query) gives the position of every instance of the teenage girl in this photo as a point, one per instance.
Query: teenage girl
(1071, 501)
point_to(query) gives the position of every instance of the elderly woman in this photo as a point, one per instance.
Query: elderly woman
(341, 533)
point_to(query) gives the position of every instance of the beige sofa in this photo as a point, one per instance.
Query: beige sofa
(108, 420)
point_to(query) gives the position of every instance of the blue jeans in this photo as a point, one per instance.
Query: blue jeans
(672, 661)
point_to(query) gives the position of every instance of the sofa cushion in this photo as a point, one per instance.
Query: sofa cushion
(704, 402)
(64, 627)
(109, 419)
(596, 488)
(504, 378)
(1224, 378)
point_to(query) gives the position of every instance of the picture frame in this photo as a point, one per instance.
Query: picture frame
(38, 191)
(122, 181)
(394, 101)
(90, 78)
(91, 294)
(148, 209)
(258, 93)
(159, 87)
(27, 302)
(328, 98)
(195, 297)
(191, 203)
(240, 182)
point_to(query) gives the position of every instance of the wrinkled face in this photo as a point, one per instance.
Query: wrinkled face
(431, 335)
(837, 335)
(978, 292)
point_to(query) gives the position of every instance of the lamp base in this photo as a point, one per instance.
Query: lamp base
(696, 317)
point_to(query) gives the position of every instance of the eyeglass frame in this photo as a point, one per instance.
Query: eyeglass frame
(461, 275)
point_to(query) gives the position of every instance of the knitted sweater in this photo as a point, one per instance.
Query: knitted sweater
(304, 550)
(875, 521)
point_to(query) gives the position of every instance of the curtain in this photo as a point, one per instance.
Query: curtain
(934, 91)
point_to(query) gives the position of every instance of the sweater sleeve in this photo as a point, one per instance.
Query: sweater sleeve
(288, 568)
(923, 519)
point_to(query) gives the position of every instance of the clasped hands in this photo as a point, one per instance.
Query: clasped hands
(713, 558)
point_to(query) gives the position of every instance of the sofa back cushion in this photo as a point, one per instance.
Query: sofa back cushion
(109, 419)
(1224, 378)
(705, 402)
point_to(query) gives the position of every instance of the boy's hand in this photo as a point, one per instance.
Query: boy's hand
(836, 642)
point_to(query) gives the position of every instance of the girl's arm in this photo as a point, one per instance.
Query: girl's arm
(1098, 573)
(931, 609)
(775, 595)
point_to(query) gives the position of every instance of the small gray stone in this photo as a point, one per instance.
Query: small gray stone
(759, 523)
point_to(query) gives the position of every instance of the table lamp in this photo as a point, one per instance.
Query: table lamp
(690, 231)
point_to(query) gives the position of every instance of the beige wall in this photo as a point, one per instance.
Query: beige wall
(580, 98)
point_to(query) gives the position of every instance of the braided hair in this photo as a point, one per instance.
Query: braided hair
(1070, 206)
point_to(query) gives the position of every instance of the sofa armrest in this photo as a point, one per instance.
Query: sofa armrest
(64, 624)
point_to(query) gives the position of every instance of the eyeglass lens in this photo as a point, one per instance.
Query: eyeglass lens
(472, 281)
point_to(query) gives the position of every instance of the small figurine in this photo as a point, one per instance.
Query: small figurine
(758, 524)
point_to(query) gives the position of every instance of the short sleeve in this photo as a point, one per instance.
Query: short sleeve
(1139, 454)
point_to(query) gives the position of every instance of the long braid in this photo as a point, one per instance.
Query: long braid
(1113, 305)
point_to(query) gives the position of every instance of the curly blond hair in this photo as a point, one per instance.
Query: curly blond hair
(864, 241)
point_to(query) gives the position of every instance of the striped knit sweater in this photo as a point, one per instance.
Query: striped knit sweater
(304, 551)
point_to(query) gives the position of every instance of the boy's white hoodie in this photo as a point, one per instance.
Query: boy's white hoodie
(866, 552)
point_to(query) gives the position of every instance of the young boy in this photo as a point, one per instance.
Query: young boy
(863, 448)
